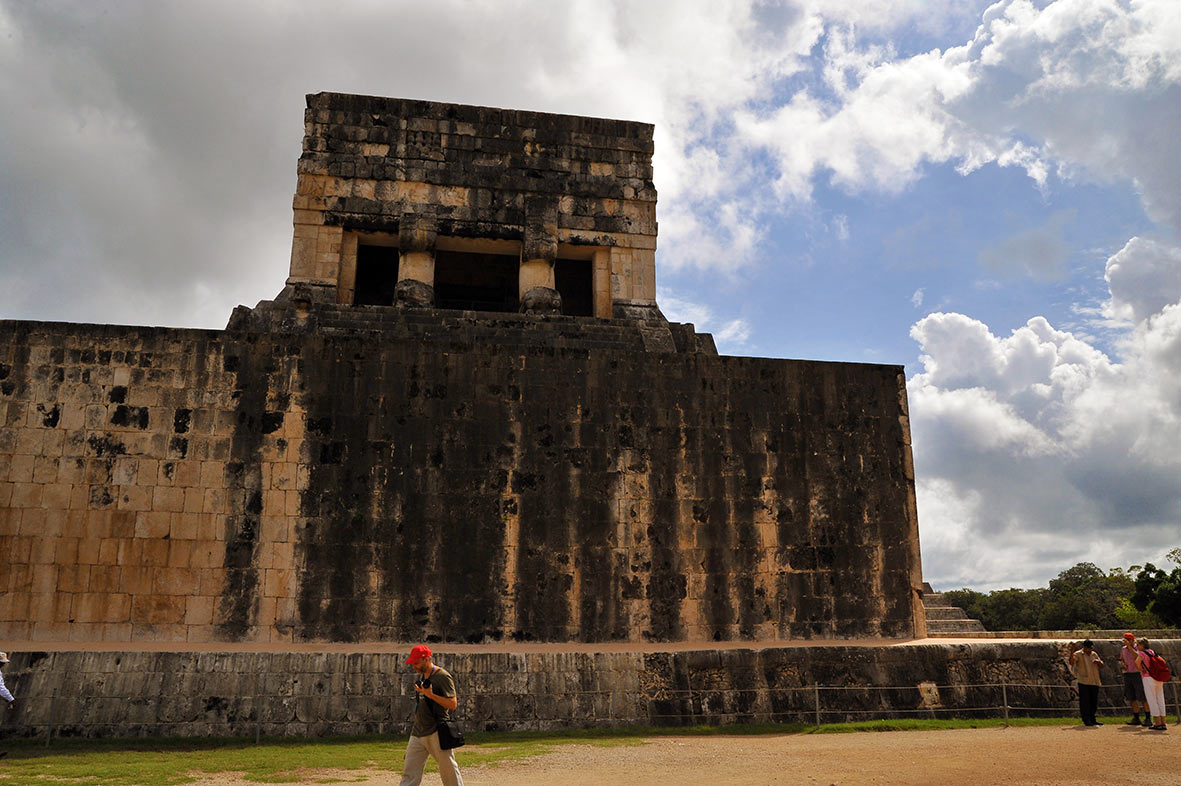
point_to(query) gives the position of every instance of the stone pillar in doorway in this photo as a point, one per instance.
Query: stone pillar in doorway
(416, 259)
(538, 292)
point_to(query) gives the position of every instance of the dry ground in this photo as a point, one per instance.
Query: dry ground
(1031, 756)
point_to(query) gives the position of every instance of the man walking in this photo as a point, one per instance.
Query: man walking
(1133, 684)
(1085, 664)
(435, 700)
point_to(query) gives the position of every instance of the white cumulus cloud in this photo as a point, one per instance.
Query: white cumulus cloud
(1144, 277)
(119, 121)
(731, 334)
(1088, 88)
(1040, 448)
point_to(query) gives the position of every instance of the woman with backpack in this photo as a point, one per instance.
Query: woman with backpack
(1154, 689)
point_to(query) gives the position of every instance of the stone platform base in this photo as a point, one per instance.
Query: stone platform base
(1067, 635)
(307, 693)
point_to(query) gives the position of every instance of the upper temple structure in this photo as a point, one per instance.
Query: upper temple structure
(463, 419)
(462, 207)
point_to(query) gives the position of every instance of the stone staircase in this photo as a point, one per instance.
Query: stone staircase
(470, 327)
(944, 619)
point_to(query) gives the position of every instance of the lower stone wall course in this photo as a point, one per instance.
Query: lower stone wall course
(129, 694)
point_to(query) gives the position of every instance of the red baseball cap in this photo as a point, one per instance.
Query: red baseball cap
(1130, 635)
(418, 653)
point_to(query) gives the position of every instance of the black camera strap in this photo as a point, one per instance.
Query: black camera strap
(423, 683)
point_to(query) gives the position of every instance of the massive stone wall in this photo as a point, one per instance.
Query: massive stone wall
(132, 694)
(453, 478)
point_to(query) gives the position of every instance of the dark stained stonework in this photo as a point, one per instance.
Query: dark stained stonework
(471, 478)
(541, 300)
(498, 153)
(251, 361)
(414, 293)
(315, 694)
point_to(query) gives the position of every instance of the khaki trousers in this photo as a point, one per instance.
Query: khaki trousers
(416, 752)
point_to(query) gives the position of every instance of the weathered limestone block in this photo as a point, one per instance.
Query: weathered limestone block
(414, 293)
(74, 693)
(369, 162)
(539, 299)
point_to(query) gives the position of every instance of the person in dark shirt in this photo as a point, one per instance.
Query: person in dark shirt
(435, 701)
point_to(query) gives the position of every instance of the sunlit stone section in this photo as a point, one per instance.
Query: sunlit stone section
(416, 259)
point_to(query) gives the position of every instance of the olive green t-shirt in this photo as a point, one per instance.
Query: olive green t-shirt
(428, 713)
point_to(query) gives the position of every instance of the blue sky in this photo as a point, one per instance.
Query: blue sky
(987, 194)
(854, 271)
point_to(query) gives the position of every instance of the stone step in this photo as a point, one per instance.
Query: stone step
(590, 340)
(953, 626)
(943, 619)
(946, 613)
(469, 327)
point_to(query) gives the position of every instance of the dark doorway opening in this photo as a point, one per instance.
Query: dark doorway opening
(377, 276)
(477, 282)
(573, 278)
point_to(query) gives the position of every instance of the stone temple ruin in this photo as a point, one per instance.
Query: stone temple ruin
(464, 419)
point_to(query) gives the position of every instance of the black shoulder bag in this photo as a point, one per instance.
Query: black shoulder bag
(450, 734)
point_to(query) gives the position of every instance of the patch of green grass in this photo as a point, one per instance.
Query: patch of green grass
(169, 762)
(172, 762)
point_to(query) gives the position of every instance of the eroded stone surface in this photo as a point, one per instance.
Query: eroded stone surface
(210, 694)
(428, 173)
(404, 475)
(541, 300)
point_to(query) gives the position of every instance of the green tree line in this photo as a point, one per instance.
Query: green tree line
(1083, 597)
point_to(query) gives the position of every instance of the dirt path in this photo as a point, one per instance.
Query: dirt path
(1036, 756)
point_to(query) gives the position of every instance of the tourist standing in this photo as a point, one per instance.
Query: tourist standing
(1133, 683)
(435, 700)
(1085, 663)
(1154, 691)
(4, 692)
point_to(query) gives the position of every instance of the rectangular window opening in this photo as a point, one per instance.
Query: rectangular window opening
(377, 275)
(574, 280)
(477, 282)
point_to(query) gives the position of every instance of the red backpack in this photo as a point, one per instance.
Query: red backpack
(1158, 669)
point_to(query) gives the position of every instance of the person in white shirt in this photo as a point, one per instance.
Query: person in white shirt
(1155, 691)
(1085, 663)
(5, 693)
